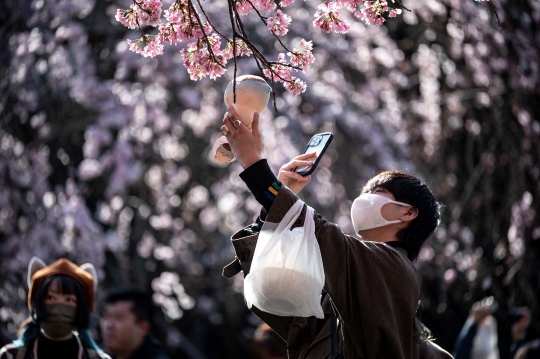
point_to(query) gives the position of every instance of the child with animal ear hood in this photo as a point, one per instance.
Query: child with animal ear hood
(61, 297)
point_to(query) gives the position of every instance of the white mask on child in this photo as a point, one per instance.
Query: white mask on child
(366, 211)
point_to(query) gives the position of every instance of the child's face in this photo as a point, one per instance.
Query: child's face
(54, 296)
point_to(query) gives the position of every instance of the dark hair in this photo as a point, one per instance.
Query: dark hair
(142, 305)
(265, 340)
(409, 189)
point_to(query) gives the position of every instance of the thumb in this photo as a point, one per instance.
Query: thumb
(255, 126)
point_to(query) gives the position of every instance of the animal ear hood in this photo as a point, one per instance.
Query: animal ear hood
(86, 275)
(89, 267)
(35, 265)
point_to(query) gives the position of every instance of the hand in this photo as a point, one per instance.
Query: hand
(293, 180)
(480, 310)
(246, 145)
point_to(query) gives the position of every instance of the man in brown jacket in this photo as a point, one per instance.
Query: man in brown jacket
(371, 284)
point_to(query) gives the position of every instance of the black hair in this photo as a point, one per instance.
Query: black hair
(66, 285)
(409, 189)
(142, 306)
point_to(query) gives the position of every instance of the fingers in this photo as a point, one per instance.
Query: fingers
(225, 131)
(255, 125)
(296, 163)
(229, 120)
(228, 124)
(293, 175)
(306, 156)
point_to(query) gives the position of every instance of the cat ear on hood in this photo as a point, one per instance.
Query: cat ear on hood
(35, 265)
(89, 267)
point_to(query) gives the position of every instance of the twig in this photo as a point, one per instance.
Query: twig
(210, 22)
(402, 6)
(231, 16)
(265, 23)
(494, 11)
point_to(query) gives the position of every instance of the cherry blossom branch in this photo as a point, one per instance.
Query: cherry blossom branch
(205, 36)
(263, 19)
(205, 57)
(209, 22)
(231, 17)
(494, 11)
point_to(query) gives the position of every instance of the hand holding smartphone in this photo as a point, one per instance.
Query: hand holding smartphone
(318, 144)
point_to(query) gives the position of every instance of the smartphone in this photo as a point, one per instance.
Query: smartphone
(318, 143)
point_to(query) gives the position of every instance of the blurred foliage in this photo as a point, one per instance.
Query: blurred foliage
(104, 156)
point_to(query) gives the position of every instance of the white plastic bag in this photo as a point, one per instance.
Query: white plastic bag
(485, 344)
(287, 274)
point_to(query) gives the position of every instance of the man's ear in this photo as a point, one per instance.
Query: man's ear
(410, 214)
(144, 326)
(35, 265)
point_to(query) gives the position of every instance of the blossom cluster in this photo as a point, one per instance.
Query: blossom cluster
(245, 7)
(301, 58)
(372, 12)
(279, 24)
(148, 46)
(201, 60)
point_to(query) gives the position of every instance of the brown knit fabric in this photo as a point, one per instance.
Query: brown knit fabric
(374, 287)
(63, 266)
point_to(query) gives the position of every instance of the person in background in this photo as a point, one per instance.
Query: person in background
(126, 326)
(490, 333)
(61, 297)
(267, 344)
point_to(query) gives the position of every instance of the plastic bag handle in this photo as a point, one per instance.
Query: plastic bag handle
(286, 223)
(290, 217)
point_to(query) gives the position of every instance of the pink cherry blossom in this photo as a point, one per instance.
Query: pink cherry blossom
(302, 56)
(264, 5)
(148, 11)
(241, 49)
(278, 24)
(372, 12)
(285, 3)
(295, 86)
(128, 18)
(394, 12)
(177, 12)
(244, 7)
(152, 46)
(327, 18)
(281, 73)
(350, 4)
(199, 62)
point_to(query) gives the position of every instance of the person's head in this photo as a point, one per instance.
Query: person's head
(127, 319)
(267, 344)
(414, 219)
(60, 296)
(60, 299)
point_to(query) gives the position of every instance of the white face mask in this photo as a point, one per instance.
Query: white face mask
(366, 211)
